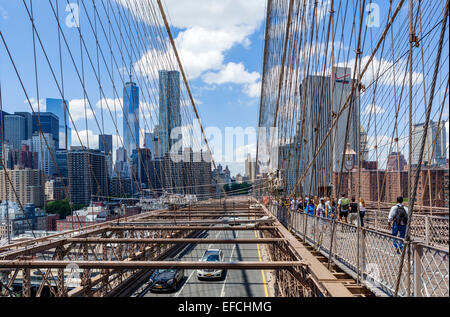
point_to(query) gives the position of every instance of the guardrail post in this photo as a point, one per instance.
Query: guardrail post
(315, 230)
(305, 227)
(409, 270)
(417, 262)
(332, 243)
(427, 230)
(376, 219)
(363, 252)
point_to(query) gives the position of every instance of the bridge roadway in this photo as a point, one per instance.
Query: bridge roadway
(236, 283)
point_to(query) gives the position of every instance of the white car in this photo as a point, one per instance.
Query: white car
(232, 221)
(213, 255)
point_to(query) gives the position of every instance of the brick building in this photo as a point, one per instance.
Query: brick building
(28, 185)
(52, 222)
(432, 187)
(396, 185)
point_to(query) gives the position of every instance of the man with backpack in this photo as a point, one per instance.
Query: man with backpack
(398, 220)
(343, 207)
(353, 212)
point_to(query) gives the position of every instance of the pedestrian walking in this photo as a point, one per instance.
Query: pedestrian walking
(353, 212)
(321, 211)
(398, 220)
(332, 210)
(362, 210)
(343, 208)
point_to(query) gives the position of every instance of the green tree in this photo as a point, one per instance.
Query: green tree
(62, 208)
(238, 189)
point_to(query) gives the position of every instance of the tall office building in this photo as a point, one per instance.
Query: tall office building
(88, 177)
(14, 131)
(44, 145)
(28, 186)
(58, 107)
(436, 139)
(364, 145)
(325, 96)
(156, 146)
(3, 114)
(49, 123)
(149, 139)
(122, 166)
(341, 79)
(28, 123)
(250, 168)
(140, 165)
(61, 162)
(23, 158)
(396, 162)
(131, 117)
(105, 143)
(191, 176)
(121, 154)
(169, 109)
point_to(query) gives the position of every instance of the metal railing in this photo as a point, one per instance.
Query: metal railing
(426, 267)
(432, 230)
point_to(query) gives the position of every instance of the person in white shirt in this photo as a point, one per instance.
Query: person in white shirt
(362, 210)
(321, 211)
(398, 220)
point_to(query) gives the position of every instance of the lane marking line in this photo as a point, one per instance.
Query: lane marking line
(222, 293)
(194, 271)
(266, 292)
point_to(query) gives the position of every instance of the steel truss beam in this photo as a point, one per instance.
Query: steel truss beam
(124, 227)
(148, 265)
(176, 241)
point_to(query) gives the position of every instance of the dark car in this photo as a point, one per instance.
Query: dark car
(166, 279)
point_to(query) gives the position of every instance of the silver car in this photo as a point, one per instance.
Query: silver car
(212, 255)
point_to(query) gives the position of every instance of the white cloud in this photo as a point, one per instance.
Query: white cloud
(253, 90)
(388, 73)
(374, 110)
(42, 106)
(113, 104)
(201, 50)
(211, 14)
(85, 136)
(209, 29)
(236, 74)
(232, 73)
(79, 109)
(3, 13)
(243, 152)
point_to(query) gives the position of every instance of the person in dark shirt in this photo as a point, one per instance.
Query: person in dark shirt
(353, 212)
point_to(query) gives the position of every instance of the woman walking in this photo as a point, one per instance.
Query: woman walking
(362, 210)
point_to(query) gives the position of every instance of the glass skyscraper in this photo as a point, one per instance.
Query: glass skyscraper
(2, 133)
(49, 124)
(131, 117)
(58, 108)
(169, 108)
(14, 130)
(105, 143)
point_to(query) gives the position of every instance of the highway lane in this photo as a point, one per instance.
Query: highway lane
(237, 283)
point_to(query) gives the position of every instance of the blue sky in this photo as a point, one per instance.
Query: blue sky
(223, 62)
(221, 43)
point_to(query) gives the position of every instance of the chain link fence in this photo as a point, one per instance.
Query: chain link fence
(432, 230)
(375, 255)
